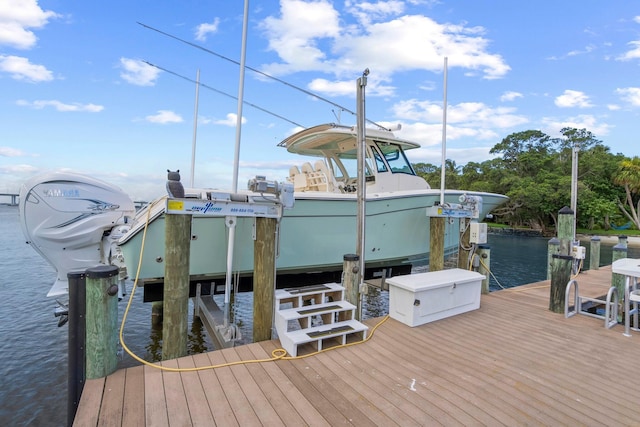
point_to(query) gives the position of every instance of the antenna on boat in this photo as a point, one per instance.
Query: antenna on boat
(444, 134)
(255, 70)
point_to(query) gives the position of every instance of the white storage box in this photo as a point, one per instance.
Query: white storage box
(416, 299)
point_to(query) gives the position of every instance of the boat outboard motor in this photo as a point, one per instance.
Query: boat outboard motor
(65, 216)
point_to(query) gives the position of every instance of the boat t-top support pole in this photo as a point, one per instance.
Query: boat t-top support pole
(362, 190)
(236, 162)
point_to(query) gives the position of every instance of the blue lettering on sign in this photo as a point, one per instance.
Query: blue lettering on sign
(209, 207)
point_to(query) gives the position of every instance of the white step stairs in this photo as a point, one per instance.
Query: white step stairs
(316, 316)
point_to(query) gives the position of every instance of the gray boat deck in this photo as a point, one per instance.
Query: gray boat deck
(512, 362)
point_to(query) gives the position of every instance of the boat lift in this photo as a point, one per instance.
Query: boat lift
(273, 198)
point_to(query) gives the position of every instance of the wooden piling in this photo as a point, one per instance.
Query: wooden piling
(436, 243)
(484, 253)
(553, 248)
(560, 276)
(176, 285)
(350, 267)
(594, 256)
(463, 245)
(566, 232)
(101, 321)
(264, 278)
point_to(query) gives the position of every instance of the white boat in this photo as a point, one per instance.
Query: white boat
(320, 228)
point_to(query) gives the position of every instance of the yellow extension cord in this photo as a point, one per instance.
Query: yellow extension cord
(276, 354)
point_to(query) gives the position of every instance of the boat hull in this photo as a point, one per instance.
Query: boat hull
(314, 236)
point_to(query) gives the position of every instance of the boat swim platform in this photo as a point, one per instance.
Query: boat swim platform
(511, 362)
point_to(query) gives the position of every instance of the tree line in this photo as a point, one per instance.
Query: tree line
(535, 171)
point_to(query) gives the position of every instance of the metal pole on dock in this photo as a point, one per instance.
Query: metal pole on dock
(176, 285)
(484, 253)
(101, 321)
(264, 249)
(437, 224)
(594, 256)
(350, 266)
(77, 342)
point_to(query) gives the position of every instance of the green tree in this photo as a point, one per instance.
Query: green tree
(629, 176)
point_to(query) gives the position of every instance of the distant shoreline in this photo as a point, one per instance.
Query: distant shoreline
(632, 241)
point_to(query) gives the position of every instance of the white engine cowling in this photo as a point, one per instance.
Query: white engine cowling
(64, 217)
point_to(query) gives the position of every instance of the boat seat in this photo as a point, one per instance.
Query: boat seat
(307, 168)
(332, 184)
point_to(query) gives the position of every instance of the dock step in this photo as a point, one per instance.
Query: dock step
(299, 310)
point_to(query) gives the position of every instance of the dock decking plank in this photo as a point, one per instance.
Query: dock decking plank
(87, 414)
(112, 400)
(249, 386)
(239, 403)
(303, 407)
(286, 410)
(220, 408)
(133, 406)
(194, 394)
(155, 402)
(511, 362)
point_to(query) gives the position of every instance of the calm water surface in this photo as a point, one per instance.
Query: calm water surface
(33, 350)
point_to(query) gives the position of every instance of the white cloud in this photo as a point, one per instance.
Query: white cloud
(510, 96)
(573, 98)
(465, 114)
(207, 28)
(583, 121)
(60, 106)
(164, 117)
(138, 73)
(21, 69)
(16, 19)
(11, 152)
(309, 37)
(633, 53)
(630, 95)
(231, 120)
(366, 12)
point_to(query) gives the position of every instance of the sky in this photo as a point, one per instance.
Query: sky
(78, 93)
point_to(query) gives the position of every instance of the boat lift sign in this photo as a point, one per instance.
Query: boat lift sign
(197, 207)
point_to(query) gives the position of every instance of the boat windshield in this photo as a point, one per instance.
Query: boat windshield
(394, 157)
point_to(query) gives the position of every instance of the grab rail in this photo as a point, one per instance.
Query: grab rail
(611, 308)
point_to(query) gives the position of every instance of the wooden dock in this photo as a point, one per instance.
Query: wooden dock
(512, 362)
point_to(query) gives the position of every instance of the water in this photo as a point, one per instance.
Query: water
(33, 350)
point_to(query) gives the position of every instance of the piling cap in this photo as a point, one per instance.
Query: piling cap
(566, 211)
(351, 257)
(102, 271)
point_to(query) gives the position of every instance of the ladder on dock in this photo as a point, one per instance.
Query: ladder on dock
(580, 303)
(315, 316)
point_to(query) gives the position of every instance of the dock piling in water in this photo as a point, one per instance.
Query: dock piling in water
(176, 286)
(264, 278)
(594, 259)
(101, 321)
(436, 243)
(350, 266)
